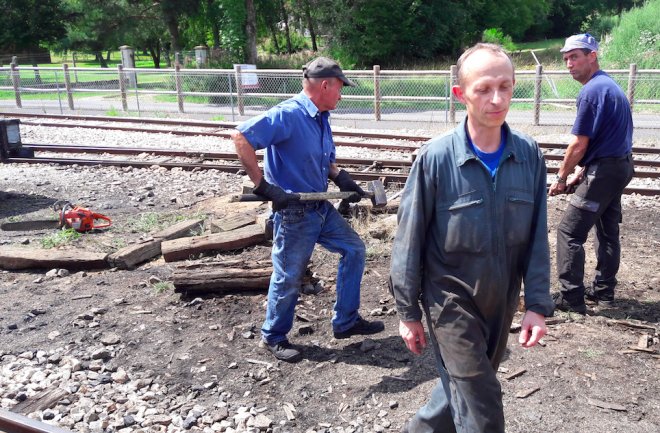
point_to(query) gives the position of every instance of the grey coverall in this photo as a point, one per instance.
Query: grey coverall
(465, 243)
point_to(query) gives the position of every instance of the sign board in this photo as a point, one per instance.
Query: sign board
(250, 80)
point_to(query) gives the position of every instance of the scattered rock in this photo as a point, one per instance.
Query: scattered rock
(394, 404)
(306, 330)
(101, 353)
(39, 280)
(154, 280)
(120, 376)
(110, 339)
(62, 273)
(368, 344)
(248, 335)
(52, 273)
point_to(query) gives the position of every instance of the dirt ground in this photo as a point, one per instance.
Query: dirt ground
(586, 380)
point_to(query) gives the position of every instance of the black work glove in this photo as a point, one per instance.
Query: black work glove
(345, 183)
(279, 197)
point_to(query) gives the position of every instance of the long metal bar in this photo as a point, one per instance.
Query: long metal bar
(14, 423)
(56, 148)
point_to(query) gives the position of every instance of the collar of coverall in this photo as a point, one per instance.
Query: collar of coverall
(462, 151)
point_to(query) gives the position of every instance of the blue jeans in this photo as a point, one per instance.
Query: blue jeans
(296, 230)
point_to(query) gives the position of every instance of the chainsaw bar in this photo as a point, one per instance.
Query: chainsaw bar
(30, 225)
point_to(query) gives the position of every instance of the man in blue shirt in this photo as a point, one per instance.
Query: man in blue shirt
(602, 148)
(300, 155)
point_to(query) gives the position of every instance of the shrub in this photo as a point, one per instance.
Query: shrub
(495, 36)
(600, 25)
(298, 42)
(636, 39)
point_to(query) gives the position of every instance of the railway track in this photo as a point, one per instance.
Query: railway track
(14, 423)
(203, 160)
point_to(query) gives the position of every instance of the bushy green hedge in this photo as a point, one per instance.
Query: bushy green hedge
(636, 39)
(495, 36)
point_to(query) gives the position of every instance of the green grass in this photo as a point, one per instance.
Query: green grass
(145, 222)
(591, 353)
(58, 238)
(538, 45)
(219, 118)
(162, 287)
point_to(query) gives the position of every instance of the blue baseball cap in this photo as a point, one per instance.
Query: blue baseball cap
(576, 42)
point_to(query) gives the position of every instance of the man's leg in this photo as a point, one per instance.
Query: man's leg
(608, 247)
(608, 251)
(468, 384)
(337, 236)
(436, 416)
(295, 231)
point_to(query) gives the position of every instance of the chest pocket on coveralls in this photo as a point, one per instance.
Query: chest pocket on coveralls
(518, 212)
(463, 225)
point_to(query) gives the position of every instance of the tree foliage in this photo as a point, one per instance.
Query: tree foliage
(358, 33)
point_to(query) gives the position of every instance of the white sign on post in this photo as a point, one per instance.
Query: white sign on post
(249, 79)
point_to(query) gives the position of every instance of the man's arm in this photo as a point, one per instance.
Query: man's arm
(536, 267)
(247, 155)
(334, 171)
(576, 150)
(415, 215)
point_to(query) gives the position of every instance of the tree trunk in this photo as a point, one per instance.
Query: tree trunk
(274, 33)
(286, 28)
(101, 60)
(215, 29)
(108, 58)
(166, 53)
(173, 26)
(310, 24)
(33, 61)
(251, 33)
(154, 52)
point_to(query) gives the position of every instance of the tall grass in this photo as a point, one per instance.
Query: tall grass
(636, 39)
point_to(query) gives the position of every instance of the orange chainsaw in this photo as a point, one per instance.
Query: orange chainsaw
(78, 218)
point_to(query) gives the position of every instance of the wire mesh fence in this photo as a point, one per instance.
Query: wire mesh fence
(541, 99)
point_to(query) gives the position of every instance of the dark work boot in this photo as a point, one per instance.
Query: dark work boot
(564, 305)
(600, 298)
(361, 327)
(284, 351)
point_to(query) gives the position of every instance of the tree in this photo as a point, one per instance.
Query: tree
(285, 17)
(250, 32)
(28, 24)
(267, 17)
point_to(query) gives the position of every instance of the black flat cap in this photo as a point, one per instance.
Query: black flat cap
(322, 67)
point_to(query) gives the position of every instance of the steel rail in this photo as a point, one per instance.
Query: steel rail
(358, 175)
(395, 147)
(14, 423)
(172, 122)
(56, 148)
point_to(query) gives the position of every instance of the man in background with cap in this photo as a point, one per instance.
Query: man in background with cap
(300, 155)
(602, 147)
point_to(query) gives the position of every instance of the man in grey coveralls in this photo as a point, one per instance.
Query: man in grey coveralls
(472, 228)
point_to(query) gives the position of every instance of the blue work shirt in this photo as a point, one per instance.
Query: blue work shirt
(603, 115)
(298, 143)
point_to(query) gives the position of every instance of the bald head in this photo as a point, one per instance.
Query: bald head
(479, 59)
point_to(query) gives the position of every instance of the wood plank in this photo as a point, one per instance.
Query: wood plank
(25, 258)
(262, 220)
(606, 405)
(128, 257)
(232, 222)
(183, 248)
(180, 230)
(46, 399)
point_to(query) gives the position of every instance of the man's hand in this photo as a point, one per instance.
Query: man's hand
(279, 197)
(577, 177)
(345, 183)
(413, 334)
(533, 329)
(557, 188)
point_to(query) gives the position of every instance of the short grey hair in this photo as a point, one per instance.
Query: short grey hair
(491, 48)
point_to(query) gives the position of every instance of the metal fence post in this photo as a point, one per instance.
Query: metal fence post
(377, 91)
(632, 78)
(239, 90)
(59, 98)
(67, 85)
(179, 86)
(452, 98)
(16, 81)
(537, 94)
(122, 87)
(231, 97)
